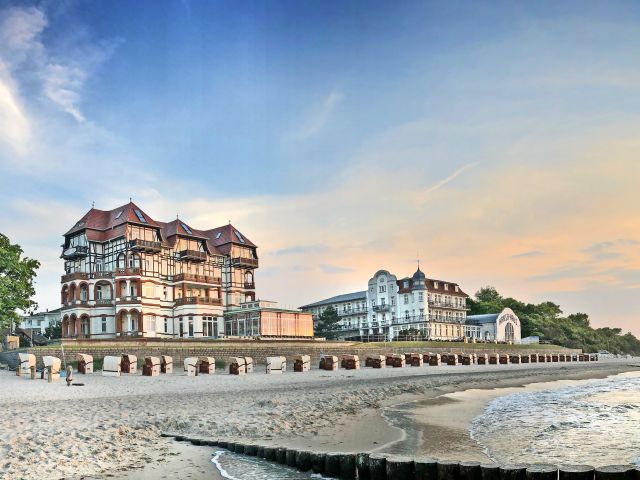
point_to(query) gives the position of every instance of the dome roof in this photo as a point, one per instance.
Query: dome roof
(419, 274)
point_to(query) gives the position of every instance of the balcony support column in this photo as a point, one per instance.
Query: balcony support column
(128, 294)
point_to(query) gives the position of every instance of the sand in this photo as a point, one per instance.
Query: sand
(111, 426)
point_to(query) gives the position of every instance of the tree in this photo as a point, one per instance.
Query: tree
(54, 330)
(17, 274)
(328, 322)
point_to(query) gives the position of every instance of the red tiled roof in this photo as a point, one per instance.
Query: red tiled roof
(102, 225)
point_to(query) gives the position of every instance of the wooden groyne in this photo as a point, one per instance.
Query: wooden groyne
(381, 466)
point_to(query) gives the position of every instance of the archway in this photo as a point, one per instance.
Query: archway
(509, 334)
(103, 290)
(65, 326)
(64, 295)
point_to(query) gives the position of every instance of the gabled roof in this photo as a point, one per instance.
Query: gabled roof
(227, 234)
(102, 225)
(339, 298)
(96, 219)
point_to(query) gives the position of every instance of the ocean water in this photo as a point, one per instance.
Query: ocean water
(241, 467)
(595, 423)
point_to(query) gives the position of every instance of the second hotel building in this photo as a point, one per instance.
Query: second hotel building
(130, 275)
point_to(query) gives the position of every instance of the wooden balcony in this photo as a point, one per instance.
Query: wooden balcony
(145, 246)
(188, 277)
(75, 276)
(250, 286)
(198, 301)
(128, 271)
(193, 255)
(244, 262)
(72, 253)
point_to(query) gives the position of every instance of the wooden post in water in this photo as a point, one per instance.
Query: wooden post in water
(448, 470)
(426, 468)
(317, 462)
(617, 472)
(470, 471)
(377, 466)
(541, 471)
(362, 466)
(400, 467)
(348, 466)
(332, 464)
(576, 472)
(303, 461)
(490, 471)
(516, 471)
(290, 457)
(281, 455)
(270, 454)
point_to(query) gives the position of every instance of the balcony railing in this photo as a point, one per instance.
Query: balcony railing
(353, 311)
(145, 245)
(188, 277)
(447, 305)
(381, 308)
(102, 275)
(244, 262)
(104, 301)
(198, 301)
(193, 255)
(250, 285)
(128, 299)
(128, 271)
(75, 276)
(75, 252)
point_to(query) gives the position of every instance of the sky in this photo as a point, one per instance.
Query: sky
(496, 141)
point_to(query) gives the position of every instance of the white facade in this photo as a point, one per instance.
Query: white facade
(38, 322)
(503, 327)
(435, 308)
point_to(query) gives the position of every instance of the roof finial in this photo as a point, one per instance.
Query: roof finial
(93, 204)
(130, 201)
(229, 221)
(177, 216)
(418, 252)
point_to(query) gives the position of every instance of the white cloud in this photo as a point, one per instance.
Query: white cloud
(15, 129)
(62, 86)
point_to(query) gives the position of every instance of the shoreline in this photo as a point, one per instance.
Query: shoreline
(110, 427)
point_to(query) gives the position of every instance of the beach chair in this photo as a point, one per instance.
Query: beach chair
(555, 357)
(248, 364)
(425, 358)
(548, 358)
(301, 363)
(166, 364)
(434, 360)
(533, 358)
(494, 359)
(85, 364)
(111, 366)
(504, 359)
(276, 365)
(514, 359)
(398, 360)
(54, 364)
(207, 365)
(191, 366)
(459, 355)
(524, 359)
(330, 363)
(368, 360)
(389, 359)
(27, 360)
(466, 360)
(562, 358)
(416, 360)
(542, 358)
(151, 367)
(237, 366)
(483, 359)
(350, 362)
(452, 359)
(378, 361)
(128, 363)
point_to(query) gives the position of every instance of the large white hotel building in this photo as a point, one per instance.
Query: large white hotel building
(390, 305)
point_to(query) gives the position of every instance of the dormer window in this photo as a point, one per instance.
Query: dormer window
(435, 284)
(140, 216)
(239, 236)
(218, 235)
(446, 286)
(457, 289)
(119, 214)
(405, 283)
(186, 228)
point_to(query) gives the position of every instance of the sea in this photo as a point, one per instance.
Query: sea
(594, 422)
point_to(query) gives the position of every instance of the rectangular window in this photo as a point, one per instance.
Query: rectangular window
(166, 325)
(406, 299)
(190, 326)
(420, 296)
(104, 324)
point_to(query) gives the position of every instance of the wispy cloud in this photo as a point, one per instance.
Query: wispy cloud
(318, 118)
(530, 254)
(326, 268)
(15, 128)
(424, 194)
(301, 249)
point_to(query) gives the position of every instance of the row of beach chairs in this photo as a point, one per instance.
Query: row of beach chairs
(114, 366)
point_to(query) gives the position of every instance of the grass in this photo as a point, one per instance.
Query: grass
(457, 345)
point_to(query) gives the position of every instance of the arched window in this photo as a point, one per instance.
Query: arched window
(134, 261)
(84, 292)
(509, 335)
(121, 260)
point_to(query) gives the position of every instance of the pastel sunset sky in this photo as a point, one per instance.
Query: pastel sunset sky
(500, 140)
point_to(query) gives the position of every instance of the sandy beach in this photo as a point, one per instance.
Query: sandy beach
(110, 427)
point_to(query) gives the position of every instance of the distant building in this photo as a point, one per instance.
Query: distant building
(38, 322)
(263, 318)
(436, 308)
(501, 327)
